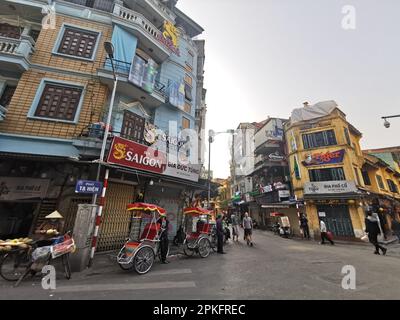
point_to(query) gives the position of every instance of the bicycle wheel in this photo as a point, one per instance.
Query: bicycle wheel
(144, 260)
(67, 265)
(14, 265)
(186, 250)
(204, 247)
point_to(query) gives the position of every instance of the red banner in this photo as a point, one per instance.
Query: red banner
(134, 155)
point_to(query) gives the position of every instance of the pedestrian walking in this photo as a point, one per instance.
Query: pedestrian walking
(220, 235)
(304, 226)
(248, 229)
(372, 228)
(164, 242)
(324, 233)
(235, 227)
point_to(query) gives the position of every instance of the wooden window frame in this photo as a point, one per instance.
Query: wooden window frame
(61, 36)
(4, 100)
(183, 122)
(16, 35)
(32, 114)
(137, 135)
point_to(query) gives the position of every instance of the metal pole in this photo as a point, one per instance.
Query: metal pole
(209, 169)
(106, 132)
(98, 218)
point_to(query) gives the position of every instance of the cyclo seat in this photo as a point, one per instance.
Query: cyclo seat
(150, 232)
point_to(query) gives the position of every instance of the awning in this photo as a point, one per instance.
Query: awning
(37, 146)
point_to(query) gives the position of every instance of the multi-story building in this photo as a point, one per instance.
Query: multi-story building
(329, 172)
(271, 178)
(56, 81)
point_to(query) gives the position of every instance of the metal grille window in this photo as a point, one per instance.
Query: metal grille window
(331, 174)
(392, 186)
(8, 93)
(319, 139)
(78, 43)
(9, 31)
(59, 102)
(380, 181)
(367, 180)
(133, 127)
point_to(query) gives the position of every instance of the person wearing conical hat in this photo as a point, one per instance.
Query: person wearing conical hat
(53, 222)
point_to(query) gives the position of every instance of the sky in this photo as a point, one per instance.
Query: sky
(266, 57)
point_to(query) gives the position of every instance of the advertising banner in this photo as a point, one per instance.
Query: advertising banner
(330, 187)
(137, 156)
(22, 188)
(324, 158)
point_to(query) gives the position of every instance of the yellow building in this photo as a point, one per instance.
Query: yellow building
(329, 171)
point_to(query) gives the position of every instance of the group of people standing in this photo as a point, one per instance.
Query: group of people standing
(222, 223)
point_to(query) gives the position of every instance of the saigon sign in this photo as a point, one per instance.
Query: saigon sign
(133, 155)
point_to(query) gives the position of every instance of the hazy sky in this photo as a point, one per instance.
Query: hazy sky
(266, 57)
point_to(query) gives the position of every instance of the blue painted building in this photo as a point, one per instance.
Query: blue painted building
(55, 90)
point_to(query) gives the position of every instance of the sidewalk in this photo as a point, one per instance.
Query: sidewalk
(107, 261)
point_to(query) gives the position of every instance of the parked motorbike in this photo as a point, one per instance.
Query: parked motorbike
(284, 232)
(276, 228)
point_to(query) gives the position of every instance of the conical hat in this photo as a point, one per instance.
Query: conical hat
(54, 215)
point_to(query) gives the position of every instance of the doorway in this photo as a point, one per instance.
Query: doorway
(337, 219)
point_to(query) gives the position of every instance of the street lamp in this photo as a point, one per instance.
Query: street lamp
(109, 48)
(211, 135)
(386, 123)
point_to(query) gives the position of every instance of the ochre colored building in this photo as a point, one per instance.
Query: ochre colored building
(331, 174)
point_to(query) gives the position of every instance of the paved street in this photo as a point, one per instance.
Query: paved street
(275, 268)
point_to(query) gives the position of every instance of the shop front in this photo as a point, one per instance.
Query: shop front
(338, 204)
(32, 187)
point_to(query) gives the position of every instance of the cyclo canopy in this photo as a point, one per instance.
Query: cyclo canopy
(146, 208)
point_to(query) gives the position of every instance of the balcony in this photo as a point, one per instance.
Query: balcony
(154, 99)
(149, 36)
(103, 5)
(15, 54)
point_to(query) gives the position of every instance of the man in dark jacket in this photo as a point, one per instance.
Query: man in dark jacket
(164, 243)
(373, 230)
(304, 226)
(220, 235)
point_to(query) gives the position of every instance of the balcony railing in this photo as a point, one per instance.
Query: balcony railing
(12, 49)
(124, 68)
(137, 19)
(3, 112)
(103, 5)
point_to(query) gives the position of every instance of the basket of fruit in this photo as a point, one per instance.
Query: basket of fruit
(15, 245)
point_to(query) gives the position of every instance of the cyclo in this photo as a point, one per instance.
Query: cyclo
(198, 229)
(142, 245)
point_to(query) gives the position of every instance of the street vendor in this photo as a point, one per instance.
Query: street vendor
(51, 227)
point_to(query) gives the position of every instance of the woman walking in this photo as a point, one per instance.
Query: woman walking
(372, 228)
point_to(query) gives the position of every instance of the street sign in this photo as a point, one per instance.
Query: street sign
(88, 187)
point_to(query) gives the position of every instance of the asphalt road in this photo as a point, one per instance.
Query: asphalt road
(274, 268)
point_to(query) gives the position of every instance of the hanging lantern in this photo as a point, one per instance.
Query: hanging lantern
(351, 202)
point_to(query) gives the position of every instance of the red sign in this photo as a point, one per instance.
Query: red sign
(134, 155)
